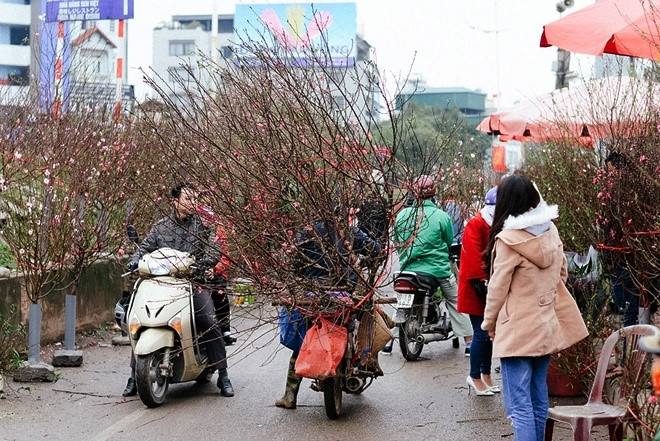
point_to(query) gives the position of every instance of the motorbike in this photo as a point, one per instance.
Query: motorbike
(161, 325)
(420, 317)
(352, 377)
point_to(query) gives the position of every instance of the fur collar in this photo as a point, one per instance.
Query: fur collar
(540, 216)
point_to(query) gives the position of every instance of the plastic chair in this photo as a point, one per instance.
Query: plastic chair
(596, 413)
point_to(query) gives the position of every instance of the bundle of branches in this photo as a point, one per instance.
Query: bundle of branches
(60, 196)
(278, 159)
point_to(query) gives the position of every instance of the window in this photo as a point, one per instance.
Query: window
(339, 102)
(178, 74)
(182, 48)
(19, 35)
(226, 51)
(225, 25)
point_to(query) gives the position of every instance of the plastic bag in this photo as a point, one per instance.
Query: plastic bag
(292, 328)
(322, 350)
(372, 336)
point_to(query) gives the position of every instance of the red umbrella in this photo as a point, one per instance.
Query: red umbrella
(595, 108)
(621, 27)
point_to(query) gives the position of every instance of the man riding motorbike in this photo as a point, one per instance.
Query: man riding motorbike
(325, 260)
(183, 230)
(424, 233)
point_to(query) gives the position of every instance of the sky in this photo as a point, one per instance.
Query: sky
(486, 45)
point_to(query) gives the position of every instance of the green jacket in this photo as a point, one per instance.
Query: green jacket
(424, 234)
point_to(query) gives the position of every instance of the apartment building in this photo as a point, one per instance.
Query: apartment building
(28, 53)
(183, 41)
(15, 26)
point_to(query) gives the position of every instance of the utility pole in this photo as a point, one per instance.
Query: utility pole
(563, 56)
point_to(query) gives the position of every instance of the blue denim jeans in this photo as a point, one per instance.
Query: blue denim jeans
(481, 349)
(526, 395)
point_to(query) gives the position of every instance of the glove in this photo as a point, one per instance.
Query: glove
(131, 266)
(480, 288)
(206, 263)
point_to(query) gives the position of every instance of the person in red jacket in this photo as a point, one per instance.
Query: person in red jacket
(472, 295)
(218, 283)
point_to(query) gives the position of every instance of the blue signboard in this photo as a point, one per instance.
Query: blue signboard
(76, 10)
(299, 29)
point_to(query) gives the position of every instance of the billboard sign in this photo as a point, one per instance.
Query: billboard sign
(300, 29)
(77, 10)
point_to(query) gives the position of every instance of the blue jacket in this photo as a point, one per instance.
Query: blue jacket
(324, 257)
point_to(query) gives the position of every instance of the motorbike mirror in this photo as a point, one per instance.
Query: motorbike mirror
(132, 234)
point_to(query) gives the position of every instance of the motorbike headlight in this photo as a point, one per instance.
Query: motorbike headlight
(134, 325)
(175, 323)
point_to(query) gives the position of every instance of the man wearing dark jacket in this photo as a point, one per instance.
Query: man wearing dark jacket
(183, 230)
(325, 260)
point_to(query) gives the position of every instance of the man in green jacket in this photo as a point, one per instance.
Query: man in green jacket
(424, 233)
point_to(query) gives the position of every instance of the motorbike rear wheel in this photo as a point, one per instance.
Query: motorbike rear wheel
(332, 393)
(151, 384)
(408, 331)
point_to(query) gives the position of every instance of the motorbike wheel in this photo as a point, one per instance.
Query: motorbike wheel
(410, 347)
(332, 394)
(151, 384)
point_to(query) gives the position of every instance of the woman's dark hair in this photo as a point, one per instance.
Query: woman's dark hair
(177, 189)
(516, 194)
(618, 160)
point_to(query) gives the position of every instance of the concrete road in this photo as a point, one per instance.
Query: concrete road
(424, 400)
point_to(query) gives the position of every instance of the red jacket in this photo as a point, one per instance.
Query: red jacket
(208, 218)
(475, 240)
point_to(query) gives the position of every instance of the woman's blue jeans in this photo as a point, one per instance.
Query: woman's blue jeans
(481, 349)
(526, 395)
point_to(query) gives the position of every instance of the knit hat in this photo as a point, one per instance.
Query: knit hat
(491, 196)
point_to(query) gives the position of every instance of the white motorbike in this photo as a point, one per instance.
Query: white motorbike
(161, 326)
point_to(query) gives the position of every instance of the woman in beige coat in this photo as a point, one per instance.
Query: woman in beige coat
(529, 312)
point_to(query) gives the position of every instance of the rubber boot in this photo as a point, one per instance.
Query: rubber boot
(288, 401)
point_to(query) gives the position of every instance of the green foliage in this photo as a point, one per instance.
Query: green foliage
(428, 137)
(565, 176)
(12, 336)
(6, 256)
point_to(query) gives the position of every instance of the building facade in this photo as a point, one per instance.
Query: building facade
(28, 54)
(180, 45)
(471, 104)
(15, 26)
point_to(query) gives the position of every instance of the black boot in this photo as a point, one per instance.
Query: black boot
(228, 338)
(226, 389)
(131, 388)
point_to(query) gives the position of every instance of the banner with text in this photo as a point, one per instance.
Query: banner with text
(301, 31)
(78, 10)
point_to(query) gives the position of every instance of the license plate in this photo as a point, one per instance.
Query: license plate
(404, 300)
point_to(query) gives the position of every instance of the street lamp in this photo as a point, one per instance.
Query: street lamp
(563, 5)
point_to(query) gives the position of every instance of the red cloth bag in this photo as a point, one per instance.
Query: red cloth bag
(322, 350)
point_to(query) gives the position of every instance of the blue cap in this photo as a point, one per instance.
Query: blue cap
(491, 196)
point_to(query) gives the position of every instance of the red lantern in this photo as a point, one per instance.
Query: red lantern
(499, 159)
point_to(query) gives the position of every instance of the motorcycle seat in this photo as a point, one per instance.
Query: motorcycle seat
(420, 280)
